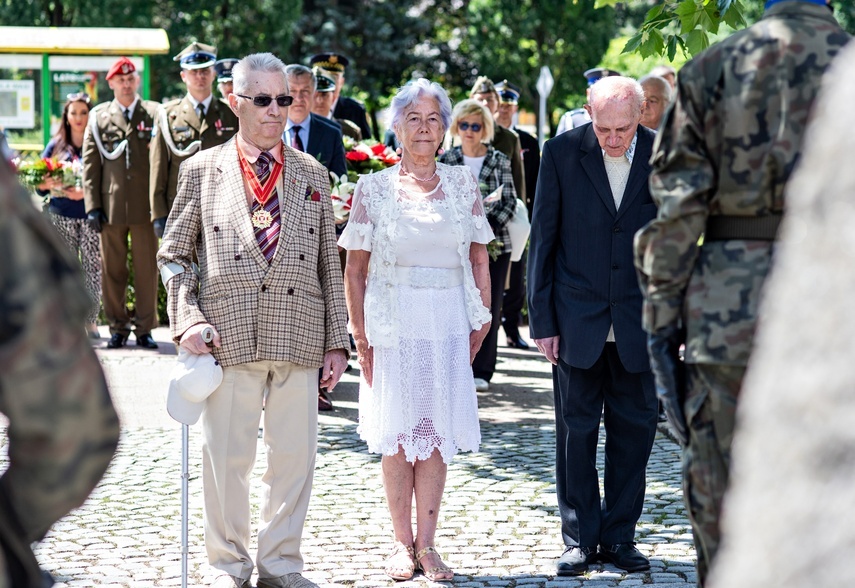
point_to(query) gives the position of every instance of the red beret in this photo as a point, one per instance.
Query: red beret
(121, 67)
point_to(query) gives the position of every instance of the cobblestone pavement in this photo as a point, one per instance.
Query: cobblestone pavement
(499, 522)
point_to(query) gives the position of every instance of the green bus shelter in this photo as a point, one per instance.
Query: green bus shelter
(40, 66)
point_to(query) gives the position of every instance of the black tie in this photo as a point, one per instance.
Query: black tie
(200, 110)
(296, 141)
(128, 115)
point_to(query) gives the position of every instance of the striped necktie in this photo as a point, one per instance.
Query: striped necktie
(267, 238)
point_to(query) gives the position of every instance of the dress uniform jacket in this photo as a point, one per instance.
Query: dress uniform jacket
(509, 143)
(217, 127)
(291, 309)
(353, 110)
(119, 186)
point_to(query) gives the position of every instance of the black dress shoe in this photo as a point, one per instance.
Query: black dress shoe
(517, 342)
(324, 401)
(146, 341)
(574, 561)
(625, 556)
(116, 341)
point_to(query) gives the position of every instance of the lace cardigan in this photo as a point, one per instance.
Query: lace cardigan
(373, 226)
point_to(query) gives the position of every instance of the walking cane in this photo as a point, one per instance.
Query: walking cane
(187, 411)
(185, 496)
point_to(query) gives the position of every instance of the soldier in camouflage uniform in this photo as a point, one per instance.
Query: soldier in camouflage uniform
(723, 155)
(184, 126)
(63, 429)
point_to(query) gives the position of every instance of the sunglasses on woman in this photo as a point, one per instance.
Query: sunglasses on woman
(465, 126)
(262, 101)
(78, 97)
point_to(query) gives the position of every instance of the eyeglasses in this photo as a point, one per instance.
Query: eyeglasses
(78, 97)
(262, 101)
(465, 126)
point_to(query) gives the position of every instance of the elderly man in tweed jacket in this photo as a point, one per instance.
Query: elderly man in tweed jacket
(258, 216)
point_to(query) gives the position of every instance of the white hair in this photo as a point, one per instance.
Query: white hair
(257, 62)
(616, 89)
(415, 89)
(655, 80)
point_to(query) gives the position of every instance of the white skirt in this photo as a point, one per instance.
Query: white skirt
(423, 395)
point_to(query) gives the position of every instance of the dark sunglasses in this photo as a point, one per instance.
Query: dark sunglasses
(465, 126)
(263, 101)
(78, 97)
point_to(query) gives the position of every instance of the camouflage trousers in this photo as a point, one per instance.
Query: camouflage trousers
(710, 407)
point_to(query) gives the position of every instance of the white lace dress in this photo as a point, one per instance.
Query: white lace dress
(421, 304)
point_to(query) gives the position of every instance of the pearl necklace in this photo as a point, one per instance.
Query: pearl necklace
(418, 179)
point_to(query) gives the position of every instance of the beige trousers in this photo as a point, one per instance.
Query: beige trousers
(230, 430)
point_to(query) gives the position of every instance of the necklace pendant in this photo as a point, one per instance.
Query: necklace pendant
(261, 219)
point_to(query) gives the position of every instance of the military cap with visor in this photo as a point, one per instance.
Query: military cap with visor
(329, 61)
(223, 68)
(197, 56)
(508, 93)
(323, 83)
(596, 73)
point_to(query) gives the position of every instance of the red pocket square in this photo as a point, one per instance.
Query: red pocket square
(312, 194)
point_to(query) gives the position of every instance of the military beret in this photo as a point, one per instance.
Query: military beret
(224, 69)
(508, 93)
(196, 56)
(483, 85)
(122, 67)
(323, 83)
(329, 61)
(594, 74)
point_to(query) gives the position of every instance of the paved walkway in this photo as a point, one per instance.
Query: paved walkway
(499, 523)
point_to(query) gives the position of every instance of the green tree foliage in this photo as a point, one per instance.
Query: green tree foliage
(688, 25)
(693, 25)
(512, 39)
(235, 27)
(387, 42)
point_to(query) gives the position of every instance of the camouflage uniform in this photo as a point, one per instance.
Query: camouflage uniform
(63, 429)
(726, 149)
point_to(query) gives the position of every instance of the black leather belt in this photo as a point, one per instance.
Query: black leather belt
(747, 228)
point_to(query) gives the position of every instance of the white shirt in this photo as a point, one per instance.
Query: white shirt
(206, 102)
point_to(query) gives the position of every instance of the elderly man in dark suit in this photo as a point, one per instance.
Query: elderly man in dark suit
(585, 317)
(258, 217)
(313, 134)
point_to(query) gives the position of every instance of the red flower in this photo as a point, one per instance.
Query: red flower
(52, 164)
(378, 149)
(356, 156)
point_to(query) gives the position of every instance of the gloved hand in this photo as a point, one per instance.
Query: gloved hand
(96, 219)
(159, 224)
(669, 371)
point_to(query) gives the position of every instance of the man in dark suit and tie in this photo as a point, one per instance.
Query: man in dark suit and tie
(313, 134)
(316, 136)
(585, 317)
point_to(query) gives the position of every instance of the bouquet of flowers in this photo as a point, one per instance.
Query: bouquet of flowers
(342, 196)
(33, 173)
(365, 157)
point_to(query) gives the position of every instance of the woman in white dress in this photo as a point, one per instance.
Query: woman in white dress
(418, 294)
